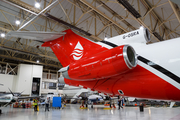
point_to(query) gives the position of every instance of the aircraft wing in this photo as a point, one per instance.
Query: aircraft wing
(36, 35)
(19, 98)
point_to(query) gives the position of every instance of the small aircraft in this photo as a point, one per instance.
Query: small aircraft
(90, 99)
(10, 98)
(124, 65)
(94, 98)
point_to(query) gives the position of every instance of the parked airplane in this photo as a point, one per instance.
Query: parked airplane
(123, 65)
(91, 99)
(10, 98)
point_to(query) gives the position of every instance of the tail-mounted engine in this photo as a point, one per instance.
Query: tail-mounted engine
(102, 65)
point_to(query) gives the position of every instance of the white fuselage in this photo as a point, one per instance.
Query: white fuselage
(5, 98)
(165, 54)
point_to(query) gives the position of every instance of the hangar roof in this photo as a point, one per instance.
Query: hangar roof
(94, 19)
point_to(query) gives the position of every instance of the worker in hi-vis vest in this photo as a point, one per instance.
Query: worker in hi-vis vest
(35, 104)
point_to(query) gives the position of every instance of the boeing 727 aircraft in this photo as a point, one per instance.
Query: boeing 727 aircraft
(123, 65)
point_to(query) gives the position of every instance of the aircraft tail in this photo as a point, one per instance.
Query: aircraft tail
(72, 47)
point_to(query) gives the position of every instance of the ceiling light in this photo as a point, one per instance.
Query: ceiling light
(37, 61)
(105, 38)
(17, 22)
(37, 5)
(141, 27)
(2, 35)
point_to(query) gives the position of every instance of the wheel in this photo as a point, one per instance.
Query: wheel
(91, 104)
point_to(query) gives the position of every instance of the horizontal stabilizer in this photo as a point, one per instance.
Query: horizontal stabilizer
(36, 35)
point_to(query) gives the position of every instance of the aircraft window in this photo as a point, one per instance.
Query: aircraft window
(8, 98)
(5, 98)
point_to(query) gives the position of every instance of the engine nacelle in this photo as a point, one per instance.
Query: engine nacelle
(135, 38)
(102, 65)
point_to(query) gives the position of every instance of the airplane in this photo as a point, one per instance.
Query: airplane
(91, 99)
(87, 99)
(10, 98)
(123, 65)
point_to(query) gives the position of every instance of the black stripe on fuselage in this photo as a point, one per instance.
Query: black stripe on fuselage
(109, 43)
(151, 64)
(159, 68)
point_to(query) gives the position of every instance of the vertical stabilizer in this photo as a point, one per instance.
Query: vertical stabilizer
(73, 47)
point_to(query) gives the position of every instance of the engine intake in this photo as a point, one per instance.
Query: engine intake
(129, 56)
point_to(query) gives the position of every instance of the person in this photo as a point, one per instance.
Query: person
(119, 102)
(23, 104)
(64, 103)
(47, 101)
(35, 104)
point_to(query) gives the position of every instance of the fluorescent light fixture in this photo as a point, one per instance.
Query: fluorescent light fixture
(37, 61)
(2, 35)
(17, 22)
(37, 5)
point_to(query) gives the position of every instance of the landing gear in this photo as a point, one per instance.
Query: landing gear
(91, 104)
(0, 111)
(86, 102)
(110, 105)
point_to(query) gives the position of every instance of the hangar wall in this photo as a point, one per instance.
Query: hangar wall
(25, 77)
(8, 81)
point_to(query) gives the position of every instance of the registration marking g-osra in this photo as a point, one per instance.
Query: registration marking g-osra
(130, 34)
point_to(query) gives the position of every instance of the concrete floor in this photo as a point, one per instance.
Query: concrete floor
(72, 112)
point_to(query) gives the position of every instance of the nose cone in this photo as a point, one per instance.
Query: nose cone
(61, 80)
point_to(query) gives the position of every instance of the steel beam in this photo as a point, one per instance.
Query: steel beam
(102, 14)
(175, 10)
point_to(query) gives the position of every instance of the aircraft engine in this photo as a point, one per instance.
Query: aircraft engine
(102, 65)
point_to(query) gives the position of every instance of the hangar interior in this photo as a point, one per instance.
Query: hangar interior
(94, 19)
(24, 63)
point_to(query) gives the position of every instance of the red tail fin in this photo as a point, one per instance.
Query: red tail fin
(73, 47)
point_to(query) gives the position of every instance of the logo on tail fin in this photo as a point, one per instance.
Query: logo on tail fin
(78, 52)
